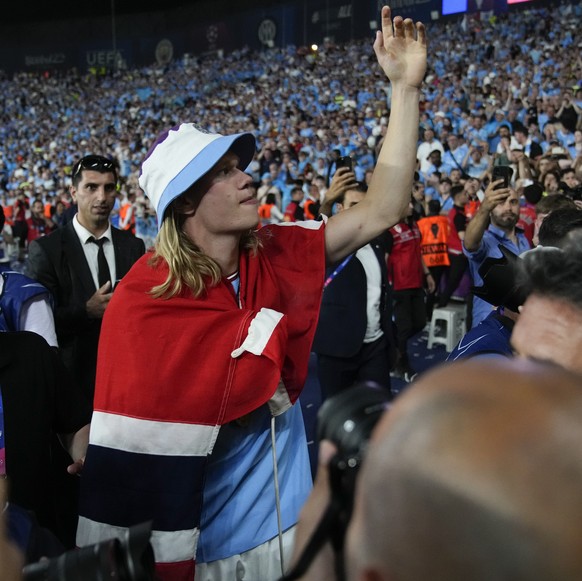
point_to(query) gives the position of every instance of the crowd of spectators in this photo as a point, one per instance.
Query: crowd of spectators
(495, 86)
(501, 90)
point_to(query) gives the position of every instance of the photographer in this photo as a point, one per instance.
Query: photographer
(436, 502)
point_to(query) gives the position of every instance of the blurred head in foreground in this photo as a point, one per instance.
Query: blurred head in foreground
(475, 473)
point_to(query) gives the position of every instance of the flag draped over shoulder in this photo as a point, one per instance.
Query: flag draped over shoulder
(170, 372)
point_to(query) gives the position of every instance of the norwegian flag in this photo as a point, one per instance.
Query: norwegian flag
(171, 372)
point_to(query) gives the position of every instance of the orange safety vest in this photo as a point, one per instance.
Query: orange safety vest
(122, 213)
(471, 208)
(309, 213)
(265, 211)
(9, 214)
(434, 231)
(265, 214)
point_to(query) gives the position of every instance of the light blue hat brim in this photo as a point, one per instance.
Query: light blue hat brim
(241, 144)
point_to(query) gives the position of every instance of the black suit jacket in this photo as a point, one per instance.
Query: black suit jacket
(343, 318)
(58, 262)
(39, 399)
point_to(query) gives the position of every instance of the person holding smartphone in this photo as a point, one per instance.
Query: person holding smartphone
(494, 224)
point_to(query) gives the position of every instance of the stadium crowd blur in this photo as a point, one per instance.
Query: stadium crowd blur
(502, 90)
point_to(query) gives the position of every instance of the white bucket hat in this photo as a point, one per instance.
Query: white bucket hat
(180, 156)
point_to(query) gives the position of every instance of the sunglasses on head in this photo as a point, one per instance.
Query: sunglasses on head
(95, 163)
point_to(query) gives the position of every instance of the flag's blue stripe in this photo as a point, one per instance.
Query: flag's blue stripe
(123, 488)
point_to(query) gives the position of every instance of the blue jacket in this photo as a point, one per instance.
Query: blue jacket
(17, 290)
(490, 337)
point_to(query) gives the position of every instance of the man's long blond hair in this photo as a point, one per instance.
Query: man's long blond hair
(188, 265)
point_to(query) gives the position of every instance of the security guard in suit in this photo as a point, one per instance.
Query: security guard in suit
(354, 339)
(80, 264)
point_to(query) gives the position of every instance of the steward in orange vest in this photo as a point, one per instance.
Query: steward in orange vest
(127, 214)
(269, 213)
(434, 231)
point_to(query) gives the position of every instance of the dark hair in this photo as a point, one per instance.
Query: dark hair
(554, 202)
(554, 272)
(533, 193)
(558, 224)
(96, 163)
(554, 172)
(360, 187)
(457, 190)
(434, 207)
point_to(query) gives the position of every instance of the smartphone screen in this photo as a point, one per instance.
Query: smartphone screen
(345, 161)
(502, 172)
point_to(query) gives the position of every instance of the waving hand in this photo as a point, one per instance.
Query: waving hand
(401, 49)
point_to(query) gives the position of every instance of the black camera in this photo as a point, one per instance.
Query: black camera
(130, 558)
(346, 419)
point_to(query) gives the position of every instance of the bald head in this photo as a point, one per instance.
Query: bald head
(475, 473)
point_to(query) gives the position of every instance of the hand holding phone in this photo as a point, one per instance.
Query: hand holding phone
(495, 194)
(344, 161)
(503, 172)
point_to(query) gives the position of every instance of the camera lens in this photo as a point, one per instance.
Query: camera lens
(128, 559)
(348, 418)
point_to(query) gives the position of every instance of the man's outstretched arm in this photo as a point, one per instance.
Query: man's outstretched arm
(401, 52)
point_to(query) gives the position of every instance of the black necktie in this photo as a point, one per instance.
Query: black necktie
(103, 274)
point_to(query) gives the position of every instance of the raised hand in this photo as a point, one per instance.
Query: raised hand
(401, 50)
(493, 197)
(343, 179)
